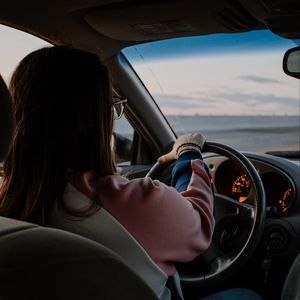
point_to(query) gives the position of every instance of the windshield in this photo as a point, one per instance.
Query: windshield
(230, 87)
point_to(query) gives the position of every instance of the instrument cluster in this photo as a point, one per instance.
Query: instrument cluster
(232, 181)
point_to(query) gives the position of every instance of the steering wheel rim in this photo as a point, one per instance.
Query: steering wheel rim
(225, 267)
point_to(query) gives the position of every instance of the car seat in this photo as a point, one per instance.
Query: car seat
(44, 263)
(291, 287)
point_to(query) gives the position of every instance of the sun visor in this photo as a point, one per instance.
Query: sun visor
(145, 22)
(160, 20)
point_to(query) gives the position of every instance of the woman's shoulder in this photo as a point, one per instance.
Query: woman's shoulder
(115, 186)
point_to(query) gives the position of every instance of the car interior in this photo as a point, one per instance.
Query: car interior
(256, 243)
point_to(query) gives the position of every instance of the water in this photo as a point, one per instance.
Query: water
(245, 133)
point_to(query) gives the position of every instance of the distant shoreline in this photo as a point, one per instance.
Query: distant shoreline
(245, 133)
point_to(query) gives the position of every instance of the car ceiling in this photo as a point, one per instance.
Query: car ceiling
(106, 26)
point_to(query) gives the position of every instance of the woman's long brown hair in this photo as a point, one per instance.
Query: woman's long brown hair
(62, 98)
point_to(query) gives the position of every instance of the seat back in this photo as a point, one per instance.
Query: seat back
(103, 228)
(45, 263)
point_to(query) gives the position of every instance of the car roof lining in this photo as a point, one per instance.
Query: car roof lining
(107, 26)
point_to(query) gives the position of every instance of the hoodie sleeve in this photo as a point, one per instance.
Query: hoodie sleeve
(170, 226)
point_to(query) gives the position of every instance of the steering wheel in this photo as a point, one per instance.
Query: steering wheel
(239, 225)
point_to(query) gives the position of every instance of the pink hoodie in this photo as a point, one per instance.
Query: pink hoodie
(170, 226)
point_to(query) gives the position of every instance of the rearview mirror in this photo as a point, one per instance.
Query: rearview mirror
(291, 62)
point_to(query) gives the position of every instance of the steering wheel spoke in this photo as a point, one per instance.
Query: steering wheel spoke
(225, 205)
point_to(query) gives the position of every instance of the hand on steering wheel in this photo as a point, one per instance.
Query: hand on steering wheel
(187, 142)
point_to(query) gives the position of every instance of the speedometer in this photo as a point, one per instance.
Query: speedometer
(285, 201)
(279, 192)
(241, 188)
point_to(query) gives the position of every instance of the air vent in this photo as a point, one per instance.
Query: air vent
(236, 17)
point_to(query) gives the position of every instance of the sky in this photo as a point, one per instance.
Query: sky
(218, 75)
(209, 75)
(15, 45)
(216, 85)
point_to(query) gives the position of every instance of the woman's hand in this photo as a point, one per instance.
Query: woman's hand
(186, 142)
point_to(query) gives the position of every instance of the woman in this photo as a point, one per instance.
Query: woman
(61, 171)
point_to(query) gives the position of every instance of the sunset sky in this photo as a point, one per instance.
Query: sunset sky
(218, 75)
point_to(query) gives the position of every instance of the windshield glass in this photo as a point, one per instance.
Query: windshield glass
(230, 87)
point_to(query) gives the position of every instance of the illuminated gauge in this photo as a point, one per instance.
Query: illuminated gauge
(285, 202)
(241, 188)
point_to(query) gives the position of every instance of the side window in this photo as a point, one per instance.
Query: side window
(123, 141)
(15, 44)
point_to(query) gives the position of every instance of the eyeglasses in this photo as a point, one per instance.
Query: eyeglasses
(118, 107)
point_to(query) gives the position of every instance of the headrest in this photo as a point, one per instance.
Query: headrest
(7, 120)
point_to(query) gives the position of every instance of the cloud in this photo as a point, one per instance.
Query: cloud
(217, 97)
(181, 101)
(221, 101)
(258, 79)
(259, 98)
